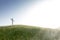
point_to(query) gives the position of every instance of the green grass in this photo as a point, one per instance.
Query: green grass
(23, 32)
(17, 32)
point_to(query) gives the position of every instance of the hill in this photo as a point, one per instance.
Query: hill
(23, 32)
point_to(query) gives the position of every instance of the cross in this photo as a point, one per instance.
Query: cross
(12, 20)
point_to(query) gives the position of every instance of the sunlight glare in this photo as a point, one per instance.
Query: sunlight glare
(44, 14)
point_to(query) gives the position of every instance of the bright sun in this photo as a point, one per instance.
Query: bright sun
(44, 14)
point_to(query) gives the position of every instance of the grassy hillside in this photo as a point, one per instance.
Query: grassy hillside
(23, 32)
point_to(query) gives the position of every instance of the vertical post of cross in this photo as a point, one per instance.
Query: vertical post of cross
(12, 21)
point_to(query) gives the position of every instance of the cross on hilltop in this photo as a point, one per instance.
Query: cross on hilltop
(12, 20)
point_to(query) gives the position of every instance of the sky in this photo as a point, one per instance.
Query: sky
(41, 13)
(13, 9)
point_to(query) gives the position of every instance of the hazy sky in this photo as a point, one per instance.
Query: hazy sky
(13, 9)
(45, 13)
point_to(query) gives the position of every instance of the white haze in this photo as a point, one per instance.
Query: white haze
(44, 14)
